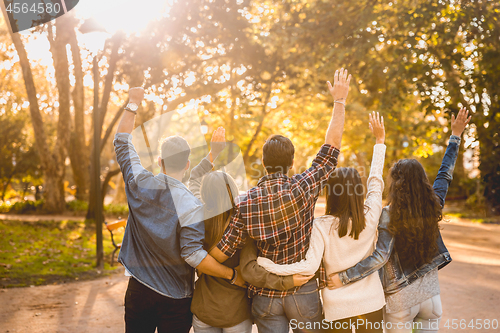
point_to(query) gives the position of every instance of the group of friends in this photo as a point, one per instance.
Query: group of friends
(262, 257)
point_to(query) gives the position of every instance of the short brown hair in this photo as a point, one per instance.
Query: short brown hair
(174, 152)
(278, 153)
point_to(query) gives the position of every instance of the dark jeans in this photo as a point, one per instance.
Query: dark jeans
(301, 311)
(146, 310)
(365, 323)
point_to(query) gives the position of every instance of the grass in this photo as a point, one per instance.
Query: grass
(116, 209)
(470, 218)
(471, 212)
(49, 252)
(74, 207)
(457, 215)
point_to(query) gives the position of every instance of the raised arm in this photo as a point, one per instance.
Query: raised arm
(126, 155)
(445, 174)
(234, 238)
(373, 202)
(313, 179)
(135, 97)
(218, 143)
(307, 266)
(339, 91)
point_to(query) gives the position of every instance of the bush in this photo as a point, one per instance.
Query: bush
(22, 207)
(5, 207)
(77, 206)
(116, 209)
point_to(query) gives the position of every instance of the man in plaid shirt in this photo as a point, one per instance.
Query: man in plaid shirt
(278, 214)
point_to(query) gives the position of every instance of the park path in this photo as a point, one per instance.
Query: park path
(470, 289)
(38, 218)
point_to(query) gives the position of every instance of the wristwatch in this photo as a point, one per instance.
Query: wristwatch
(132, 107)
(235, 276)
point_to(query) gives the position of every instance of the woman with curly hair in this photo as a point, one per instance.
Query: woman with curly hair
(409, 248)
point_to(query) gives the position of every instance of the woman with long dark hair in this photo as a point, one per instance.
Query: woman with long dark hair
(410, 248)
(342, 237)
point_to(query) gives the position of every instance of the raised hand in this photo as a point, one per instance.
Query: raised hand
(458, 124)
(334, 281)
(218, 143)
(299, 280)
(136, 95)
(340, 87)
(377, 127)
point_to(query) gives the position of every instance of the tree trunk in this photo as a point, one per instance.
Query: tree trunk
(52, 164)
(459, 173)
(116, 41)
(107, 179)
(111, 126)
(120, 195)
(79, 151)
(103, 107)
(54, 190)
(57, 170)
(263, 114)
(29, 83)
(6, 185)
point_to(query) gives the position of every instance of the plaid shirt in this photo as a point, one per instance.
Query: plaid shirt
(278, 213)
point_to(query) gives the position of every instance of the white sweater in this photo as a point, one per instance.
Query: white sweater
(363, 296)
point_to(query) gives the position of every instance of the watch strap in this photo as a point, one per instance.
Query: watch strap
(129, 110)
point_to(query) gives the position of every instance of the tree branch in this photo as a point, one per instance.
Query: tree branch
(111, 126)
(29, 83)
(107, 179)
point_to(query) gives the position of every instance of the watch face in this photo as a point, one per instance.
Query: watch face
(132, 106)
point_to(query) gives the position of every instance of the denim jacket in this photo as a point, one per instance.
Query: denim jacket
(396, 273)
(164, 236)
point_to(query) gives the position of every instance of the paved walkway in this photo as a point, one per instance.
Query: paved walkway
(38, 218)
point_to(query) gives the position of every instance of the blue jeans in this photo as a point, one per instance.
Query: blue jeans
(302, 310)
(201, 327)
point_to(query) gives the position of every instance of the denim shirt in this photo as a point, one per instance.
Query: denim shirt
(163, 239)
(395, 273)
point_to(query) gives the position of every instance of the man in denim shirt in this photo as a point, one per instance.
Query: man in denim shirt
(163, 241)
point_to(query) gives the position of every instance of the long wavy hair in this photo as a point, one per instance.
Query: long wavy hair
(345, 200)
(415, 212)
(218, 192)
